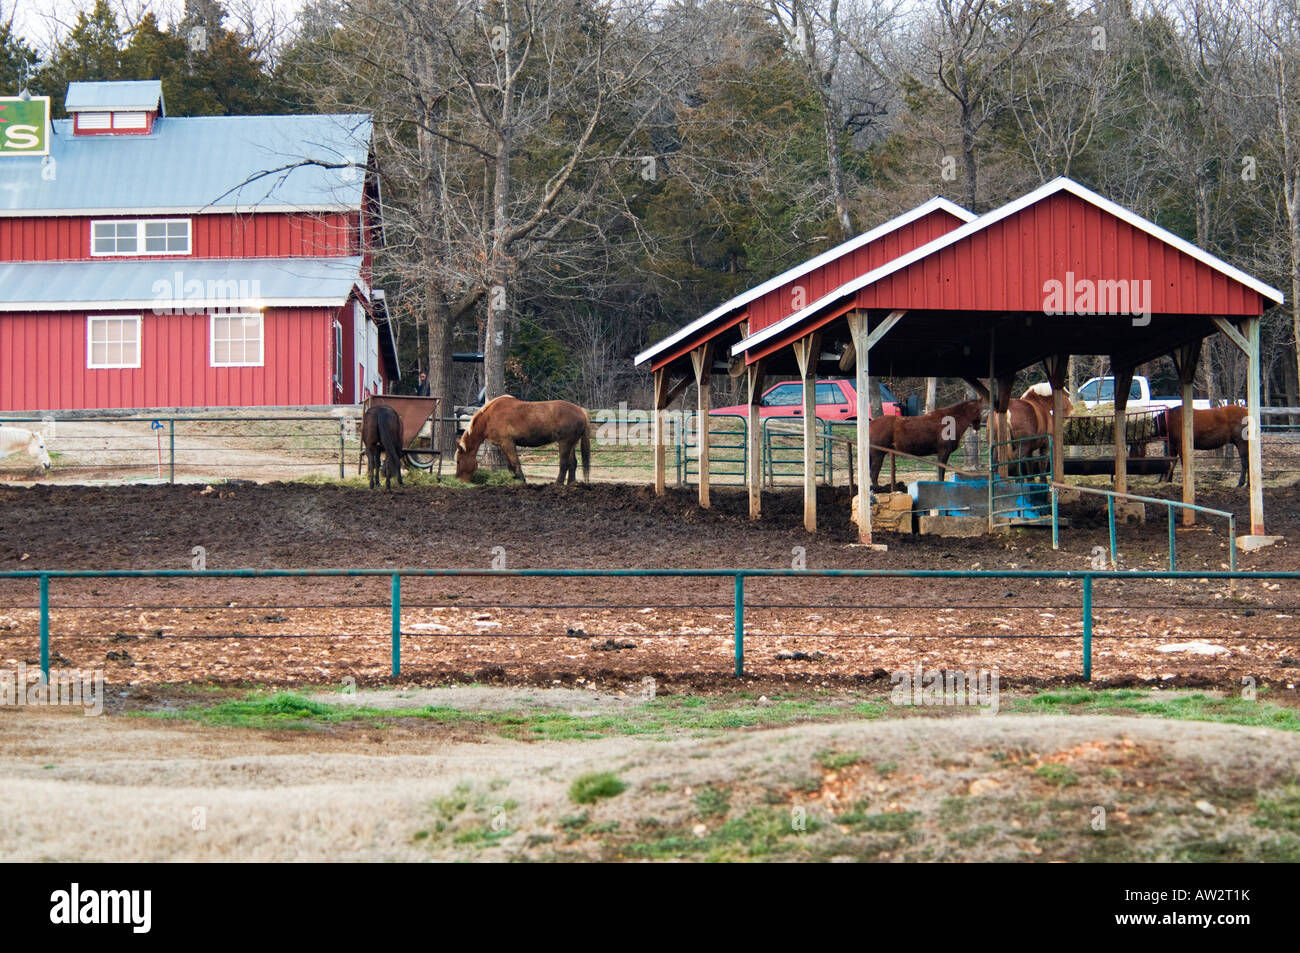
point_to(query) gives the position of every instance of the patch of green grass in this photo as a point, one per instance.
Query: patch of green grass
(895, 823)
(590, 788)
(837, 760)
(1182, 706)
(1280, 811)
(1062, 775)
(759, 832)
(972, 835)
(657, 718)
(712, 801)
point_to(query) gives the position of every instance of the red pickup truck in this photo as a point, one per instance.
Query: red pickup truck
(837, 399)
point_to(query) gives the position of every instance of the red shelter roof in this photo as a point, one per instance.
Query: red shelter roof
(777, 298)
(1060, 270)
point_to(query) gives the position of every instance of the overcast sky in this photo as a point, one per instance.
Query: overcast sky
(40, 22)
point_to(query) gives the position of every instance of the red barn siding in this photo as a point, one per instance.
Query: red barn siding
(779, 303)
(43, 364)
(262, 235)
(1005, 266)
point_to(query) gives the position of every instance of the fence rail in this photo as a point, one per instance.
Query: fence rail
(293, 444)
(1086, 578)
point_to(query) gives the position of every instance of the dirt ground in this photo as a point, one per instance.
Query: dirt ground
(611, 631)
(962, 787)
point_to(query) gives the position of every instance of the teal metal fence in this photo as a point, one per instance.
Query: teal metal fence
(727, 440)
(1087, 580)
(1018, 473)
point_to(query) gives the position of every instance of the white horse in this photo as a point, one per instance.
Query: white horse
(18, 440)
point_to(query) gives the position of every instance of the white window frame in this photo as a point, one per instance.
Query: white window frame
(130, 119)
(90, 340)
(212, 339)
(140, 237)
(337, 358)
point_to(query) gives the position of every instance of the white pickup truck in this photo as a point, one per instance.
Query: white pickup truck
(1101, 390)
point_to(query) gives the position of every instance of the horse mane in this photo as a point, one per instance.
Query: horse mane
(474, 421)
(1041, 389)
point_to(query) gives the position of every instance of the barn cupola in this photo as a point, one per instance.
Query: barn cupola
(128, 108)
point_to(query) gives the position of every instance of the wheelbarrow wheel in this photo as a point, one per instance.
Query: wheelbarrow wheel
(421, 459)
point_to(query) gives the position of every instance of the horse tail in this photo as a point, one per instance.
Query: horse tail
(392, 448)
(586, 451)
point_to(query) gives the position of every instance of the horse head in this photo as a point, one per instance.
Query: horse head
(36, 447)
(467, 447)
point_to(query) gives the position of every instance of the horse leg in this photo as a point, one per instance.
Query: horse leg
(1241, 452)
(512, 459)
(877, 458)
(566, 452)
(571, 458)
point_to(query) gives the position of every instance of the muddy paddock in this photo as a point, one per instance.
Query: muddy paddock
(612, 631)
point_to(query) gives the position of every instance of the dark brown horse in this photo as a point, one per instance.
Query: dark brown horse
(381, 431)
(1211, 429)
(510, 423)
(1031, 421)
(937, 433)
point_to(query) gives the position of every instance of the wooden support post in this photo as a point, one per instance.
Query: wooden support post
(660, 393)
(858, 329)
(1255, 442)
(1247, 341)
(1002, 412)
(702, 360)
(1123, 381)
(1057, 367)
(754, 440)
(806, 352)
(1185, 361)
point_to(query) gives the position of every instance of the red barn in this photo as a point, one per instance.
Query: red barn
(156, 261)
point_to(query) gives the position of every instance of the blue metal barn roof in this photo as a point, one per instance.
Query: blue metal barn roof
(137, 94)
(177, 284)
(194, 164)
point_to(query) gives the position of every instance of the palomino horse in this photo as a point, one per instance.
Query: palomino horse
(937, 433)
(1211, 429)
(1031, 417)
(509, 423)
(18, 440)
(381, 430)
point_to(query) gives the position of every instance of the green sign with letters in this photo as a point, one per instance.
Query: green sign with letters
(24, 126)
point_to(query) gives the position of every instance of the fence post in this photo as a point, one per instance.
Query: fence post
(1110, 516)
(1087, 628)
(740, 625)
(342, 474)
(397, 624)
(171, 449)
(1173, 543)
(45, 630)
(1056, 521)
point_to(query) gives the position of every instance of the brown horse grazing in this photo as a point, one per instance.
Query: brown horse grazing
(937, 433)
(381, 430)
(1031, 417)
(1211, 429)
(510, 423)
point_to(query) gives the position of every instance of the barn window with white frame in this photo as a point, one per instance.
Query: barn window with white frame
(113, 341)
(170, 236)
(236, 340)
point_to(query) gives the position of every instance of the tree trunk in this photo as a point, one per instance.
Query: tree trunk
(499, 304)
(438, 317)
